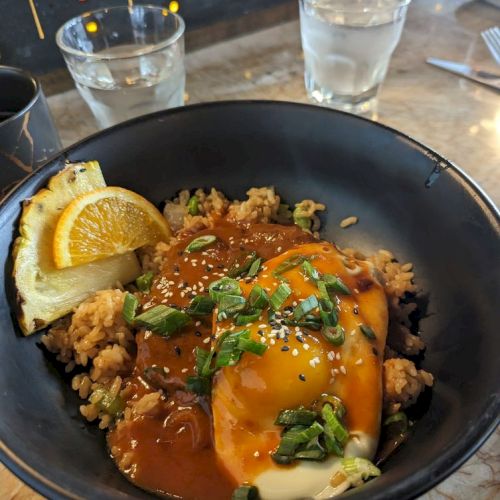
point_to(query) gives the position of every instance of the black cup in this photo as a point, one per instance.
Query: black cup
(28, 136)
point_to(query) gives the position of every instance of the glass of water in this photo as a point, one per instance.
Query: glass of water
(126, 61)
(347, 48)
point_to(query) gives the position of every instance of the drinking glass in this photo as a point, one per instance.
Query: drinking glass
(347, 48)
(126, 61)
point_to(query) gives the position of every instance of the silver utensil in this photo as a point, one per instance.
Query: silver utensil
(491, 38)
(485, 77)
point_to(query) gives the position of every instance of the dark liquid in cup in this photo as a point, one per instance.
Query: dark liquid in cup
(5, 115)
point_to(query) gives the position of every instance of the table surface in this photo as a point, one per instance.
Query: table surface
(456, 117)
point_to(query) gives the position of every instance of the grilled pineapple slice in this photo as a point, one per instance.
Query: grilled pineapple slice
(45, 293)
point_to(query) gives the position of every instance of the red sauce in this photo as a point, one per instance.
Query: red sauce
(171, 450)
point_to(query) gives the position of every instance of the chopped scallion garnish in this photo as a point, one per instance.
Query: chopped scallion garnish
(400, 419)
(249, 345)
(162, 319)
(359, 469)
(144, 281)
(229, 305)
(327, 312)
(130, 305)
(193, 205)
(201, 242)
(203, 361)
(334, 334)
(245, 492)
(300, 416)
(246, 317)
(229, 354)
(367, 332)
(111, 404)
(288, 264)
(258, 297)
(254, 268)
(201, 305)
(300, 217)
(198, 385)
(297, 435)
(336, 284)
(310, 271)
(224, 286)
(279, 296)
(309, 321)
(305, 307)
(333, 426)
(242, 265)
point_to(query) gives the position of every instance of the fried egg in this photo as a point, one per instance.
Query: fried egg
(296, 370)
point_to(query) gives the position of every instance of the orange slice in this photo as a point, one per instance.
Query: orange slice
(106, 222)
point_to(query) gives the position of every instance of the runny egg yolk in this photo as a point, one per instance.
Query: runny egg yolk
(300, 366)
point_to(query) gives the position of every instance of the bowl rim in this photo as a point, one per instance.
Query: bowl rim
(418, 483)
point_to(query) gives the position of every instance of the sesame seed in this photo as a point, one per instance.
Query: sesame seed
(185, 259)
(198, 323)
(177, 350)
(176, 274)
(359, 362)
(256, 454)
(336, 371)
(302, 377)
(295, 352)
(343, 370)
(306, 347)
(182, 294)
(166, 369)
(272, 341)
(171, 282)
(204, 277)
(285, 348)
(331, 356)
(312, 363)
(184, 370)
(197, 333)
(265, 275)
(278, 249)
(300, 339)
(193, 264)
(207, 340)
(338, 356)
(263, 326)
(263, 340)
(203, 262)
(294, 303)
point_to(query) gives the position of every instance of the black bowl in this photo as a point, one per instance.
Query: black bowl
(408, 199)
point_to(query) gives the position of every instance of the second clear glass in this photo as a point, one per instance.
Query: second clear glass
(347, 48)
(125, 61)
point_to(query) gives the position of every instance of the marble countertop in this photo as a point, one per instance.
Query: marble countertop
(456, 117)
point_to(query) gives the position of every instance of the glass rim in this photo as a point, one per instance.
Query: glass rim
(37, 90)
(63, 47)
(352, 9)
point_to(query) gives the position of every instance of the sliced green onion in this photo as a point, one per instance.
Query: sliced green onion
(254, 268)
(333, 401)
(288, 264)
(201, 305)
(229, 354)
(323, 291)
(198, 385)
(334, 334)
(279, 296)
(333, 426)
(229, 305)
(305, 307)
(327, 313)
(193, 205)
(310, 321)
(245, 492)
(249, 345)
(400, 419)
(359, 469)
(163, 319)
(200, 243)
(333, 446)
(246, 317)
(300, 219)
(367, 332)
(112, 405)
(130, 305)
(144, 281)
(310, 271)
(203, 360)
(297, 435)
(238, 269)
(336, 284)
(224, 286)
(296, 417)
(312, 451)
(258, 297)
